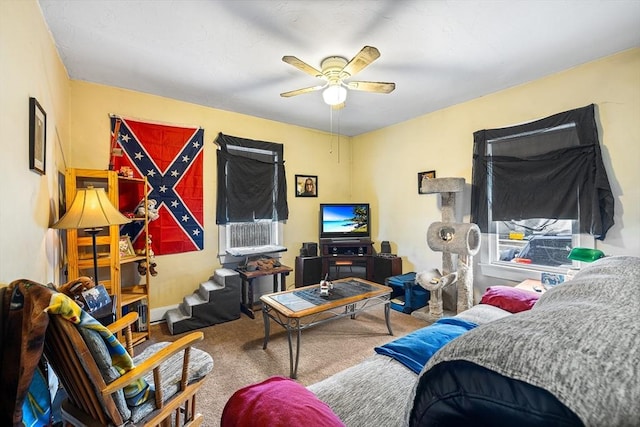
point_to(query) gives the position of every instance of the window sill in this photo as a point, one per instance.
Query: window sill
(517, 272)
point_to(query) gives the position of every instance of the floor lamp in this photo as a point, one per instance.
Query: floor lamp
(91, 210)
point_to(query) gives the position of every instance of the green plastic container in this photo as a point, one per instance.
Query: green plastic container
(585, 254)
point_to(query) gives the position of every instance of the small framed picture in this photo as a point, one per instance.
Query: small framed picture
(126, 247)
(306, 186)
(37, 136)
(423, 177)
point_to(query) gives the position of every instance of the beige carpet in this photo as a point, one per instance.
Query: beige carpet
(239, 359)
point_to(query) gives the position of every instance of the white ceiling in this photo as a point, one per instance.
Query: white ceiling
(227, 54)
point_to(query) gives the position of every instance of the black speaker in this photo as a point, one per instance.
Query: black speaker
(308, 271)
(311, 248)
(384, 267)
(385, 247)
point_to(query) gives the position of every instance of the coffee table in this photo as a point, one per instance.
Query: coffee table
(304, 307)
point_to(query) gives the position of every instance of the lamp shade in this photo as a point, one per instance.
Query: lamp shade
(334, 94)
(91, 208)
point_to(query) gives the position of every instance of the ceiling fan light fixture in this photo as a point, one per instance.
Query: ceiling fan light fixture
(335, 70)
(334, 94)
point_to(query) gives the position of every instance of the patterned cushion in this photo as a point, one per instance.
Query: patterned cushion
(100, 353)
(200, 364)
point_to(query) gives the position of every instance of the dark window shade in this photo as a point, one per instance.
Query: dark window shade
(251, 180)
(550, 168)
(534, 143)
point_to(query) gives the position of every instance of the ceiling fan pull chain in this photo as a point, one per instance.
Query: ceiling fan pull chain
(331, 129)
(338, 134)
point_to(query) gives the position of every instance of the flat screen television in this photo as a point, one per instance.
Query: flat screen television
(345, 220)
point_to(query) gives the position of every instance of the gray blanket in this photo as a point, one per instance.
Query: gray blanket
(581, 342)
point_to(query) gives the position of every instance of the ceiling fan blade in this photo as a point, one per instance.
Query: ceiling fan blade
(301, 91)
(302, 66)
(379, 87)
(366, 56)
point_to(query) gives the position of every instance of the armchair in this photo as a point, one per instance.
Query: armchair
(80, 358)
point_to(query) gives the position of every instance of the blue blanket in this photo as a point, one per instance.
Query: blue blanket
(415, 349)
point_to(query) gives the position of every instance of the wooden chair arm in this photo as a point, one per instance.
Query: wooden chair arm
(153, 362)
(124, 325)
(124, 322)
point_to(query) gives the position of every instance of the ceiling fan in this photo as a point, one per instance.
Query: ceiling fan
(335, 70)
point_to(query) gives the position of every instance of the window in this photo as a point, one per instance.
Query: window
(535, 243)
(252, 191)
(539, 189)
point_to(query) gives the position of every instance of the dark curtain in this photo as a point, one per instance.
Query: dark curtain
(550, 168)
(246, 181)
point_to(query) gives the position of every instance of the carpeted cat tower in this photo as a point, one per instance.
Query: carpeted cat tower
(450, 238)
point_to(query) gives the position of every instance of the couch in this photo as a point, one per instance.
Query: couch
(376, 391)
(568, 358)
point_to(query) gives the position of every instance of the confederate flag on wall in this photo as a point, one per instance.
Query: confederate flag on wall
(171, 159)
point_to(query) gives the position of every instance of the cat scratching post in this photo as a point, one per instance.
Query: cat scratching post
(449, 238)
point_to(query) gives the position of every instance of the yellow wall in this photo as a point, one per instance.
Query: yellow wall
(443, 141)
(29, 67)
(306, 152)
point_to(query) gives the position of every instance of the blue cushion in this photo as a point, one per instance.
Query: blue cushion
(415, 349)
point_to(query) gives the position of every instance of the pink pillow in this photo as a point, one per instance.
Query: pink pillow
(277, 402)
(510, 299)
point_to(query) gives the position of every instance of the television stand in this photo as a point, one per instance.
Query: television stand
(347, 258)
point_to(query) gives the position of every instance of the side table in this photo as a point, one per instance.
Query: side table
(532, 285)
(247, 277)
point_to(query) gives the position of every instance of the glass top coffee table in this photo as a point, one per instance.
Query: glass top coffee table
(305, 307)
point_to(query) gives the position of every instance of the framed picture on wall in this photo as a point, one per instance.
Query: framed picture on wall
(37, 136)
(423, 177)
(306, 186)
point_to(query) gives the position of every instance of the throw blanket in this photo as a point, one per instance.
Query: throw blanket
(579, 342)
(23, 332)
(415, 349)
(136, 393)
(36, 407)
